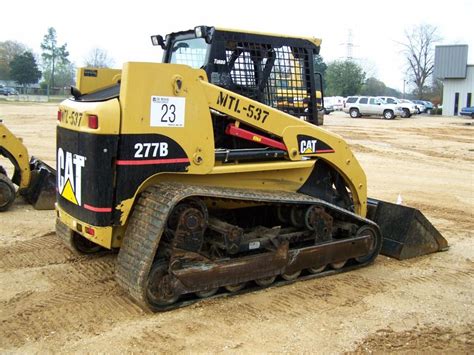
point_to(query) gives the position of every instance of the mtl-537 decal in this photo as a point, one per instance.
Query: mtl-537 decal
(232, 103)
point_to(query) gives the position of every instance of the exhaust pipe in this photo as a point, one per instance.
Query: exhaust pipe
(406, 232)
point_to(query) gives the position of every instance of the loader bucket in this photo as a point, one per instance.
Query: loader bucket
(406, 232)
(41, 192)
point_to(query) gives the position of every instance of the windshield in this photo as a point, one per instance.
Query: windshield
(191, 52)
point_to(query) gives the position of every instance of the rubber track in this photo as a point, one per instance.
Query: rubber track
(65, 234)
(151, 212)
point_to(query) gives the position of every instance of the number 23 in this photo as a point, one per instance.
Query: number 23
(169, 113)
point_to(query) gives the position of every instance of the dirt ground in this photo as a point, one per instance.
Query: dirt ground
(53, 301)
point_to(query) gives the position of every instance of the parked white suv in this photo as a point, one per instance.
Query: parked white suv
(408, 107)
(357, 106)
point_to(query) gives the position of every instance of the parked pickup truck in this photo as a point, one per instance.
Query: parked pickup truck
(358, 106)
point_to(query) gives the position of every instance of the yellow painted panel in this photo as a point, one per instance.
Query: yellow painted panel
(92, 79)
(75, 116)
(144, 82)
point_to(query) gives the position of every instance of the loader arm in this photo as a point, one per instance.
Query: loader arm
(295, 135)
(14, 150)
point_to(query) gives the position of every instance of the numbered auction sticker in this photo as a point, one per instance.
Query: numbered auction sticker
(167, 111)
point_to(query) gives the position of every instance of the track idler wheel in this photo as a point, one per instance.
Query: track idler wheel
(7, 193)
(375, 244)
(160, 289)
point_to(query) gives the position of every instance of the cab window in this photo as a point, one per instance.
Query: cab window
(190, 52)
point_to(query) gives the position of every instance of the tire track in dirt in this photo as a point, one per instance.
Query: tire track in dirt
(295, 301)
(458, 216)
(445, 136)
(425, 339)
(402, 151)
(158, 340)
(409, 277)
(44, 250)
(83, 292)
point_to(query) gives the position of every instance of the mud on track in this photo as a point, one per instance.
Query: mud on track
(52, 300)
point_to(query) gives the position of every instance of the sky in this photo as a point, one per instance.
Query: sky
(123, 28)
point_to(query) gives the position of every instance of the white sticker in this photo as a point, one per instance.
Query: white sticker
(254, 245)
(167, 111)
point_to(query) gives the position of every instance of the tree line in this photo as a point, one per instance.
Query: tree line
(347, 78)
(340, 77)
(20, 64)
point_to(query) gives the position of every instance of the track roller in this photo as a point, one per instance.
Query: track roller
(339, 265)
(291, 277)
(266, 281)
(236, 287)
(207, 293)
(316, 270)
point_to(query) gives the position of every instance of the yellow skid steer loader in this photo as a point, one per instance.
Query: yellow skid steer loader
(207, 183)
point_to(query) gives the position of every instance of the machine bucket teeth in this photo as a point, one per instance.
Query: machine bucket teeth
(406, 232)
(41, 192)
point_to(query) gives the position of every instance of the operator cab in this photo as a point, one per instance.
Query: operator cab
(272, 69)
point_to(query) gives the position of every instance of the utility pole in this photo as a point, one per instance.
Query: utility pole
(349, 45)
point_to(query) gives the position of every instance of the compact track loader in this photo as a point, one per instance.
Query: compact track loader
(209, 181)
(36, 180)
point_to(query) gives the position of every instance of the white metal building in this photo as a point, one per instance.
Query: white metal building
(458, 77)
(457, 93)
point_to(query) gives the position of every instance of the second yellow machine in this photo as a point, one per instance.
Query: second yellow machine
(207, 183)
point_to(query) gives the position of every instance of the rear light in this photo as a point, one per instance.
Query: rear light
(60, 116)
(93, 121)
(90, 231)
